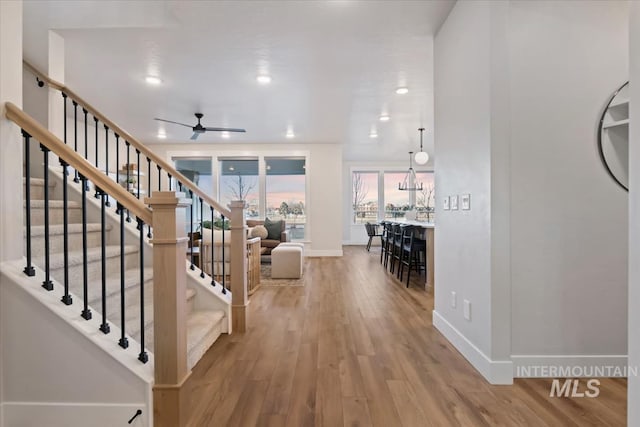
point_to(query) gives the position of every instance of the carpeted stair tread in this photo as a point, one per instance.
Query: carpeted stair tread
(203, 328)
(53, 204)
(93, 254)
(58, 229)
(131, 280)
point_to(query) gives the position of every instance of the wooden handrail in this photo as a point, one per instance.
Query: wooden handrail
(186, 182)
(86, 169)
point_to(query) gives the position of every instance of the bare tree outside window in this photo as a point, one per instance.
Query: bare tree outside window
(239, 189)
(425, 199)
(360, 191)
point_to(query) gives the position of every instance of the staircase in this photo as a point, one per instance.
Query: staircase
(203, 326)
(105, 310)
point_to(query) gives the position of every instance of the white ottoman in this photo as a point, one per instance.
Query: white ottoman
(286, 262)
(296, 244)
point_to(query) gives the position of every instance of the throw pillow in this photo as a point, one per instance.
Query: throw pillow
(259, 231)
(274, 229)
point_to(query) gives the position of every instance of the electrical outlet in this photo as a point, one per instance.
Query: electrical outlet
(454, 302)
(467, 309)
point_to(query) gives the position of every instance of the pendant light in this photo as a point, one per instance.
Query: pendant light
(410, 180)
(422, 157)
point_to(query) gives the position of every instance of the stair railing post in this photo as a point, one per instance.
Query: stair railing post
(238, 272)
(169, 307)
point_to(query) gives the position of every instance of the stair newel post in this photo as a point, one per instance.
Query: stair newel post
(169, 307)
(238, 273)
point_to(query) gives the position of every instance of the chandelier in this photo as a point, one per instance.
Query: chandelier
(410, 180)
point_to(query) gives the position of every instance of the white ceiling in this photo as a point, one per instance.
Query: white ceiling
(335, 66)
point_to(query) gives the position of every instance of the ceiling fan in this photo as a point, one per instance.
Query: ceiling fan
(198, 129)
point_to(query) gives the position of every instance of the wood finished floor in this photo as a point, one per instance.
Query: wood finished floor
(354, 347)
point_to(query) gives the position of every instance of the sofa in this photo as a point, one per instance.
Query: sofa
(270, 243)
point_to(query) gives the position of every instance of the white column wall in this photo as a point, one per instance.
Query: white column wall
(11, 161)
(633, 382)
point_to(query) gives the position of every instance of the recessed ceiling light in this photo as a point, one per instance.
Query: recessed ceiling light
(290, 134)
(402, 90)
(162, 135)
(225, 134)
(263, 79)
(153, 80)
(385, 118)
(373, 134)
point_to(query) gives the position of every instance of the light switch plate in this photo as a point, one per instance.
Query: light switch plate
(454, 303)
(445, 203)
(465, 201)
(454, 202)
(467, 309)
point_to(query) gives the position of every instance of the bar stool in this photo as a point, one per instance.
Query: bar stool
(413, 252)
(372, 231)
(396, 246)
(386, 237)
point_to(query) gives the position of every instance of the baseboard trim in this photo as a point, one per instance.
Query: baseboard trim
(322, 253)
(574, 366)
(70, 414)
(494, 371)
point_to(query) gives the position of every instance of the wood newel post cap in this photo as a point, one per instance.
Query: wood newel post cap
(167, 198)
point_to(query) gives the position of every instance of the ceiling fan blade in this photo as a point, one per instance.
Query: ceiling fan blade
(225, 130)
(170, 121)
(195, 136)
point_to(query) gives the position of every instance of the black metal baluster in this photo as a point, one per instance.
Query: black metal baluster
(86, 313)
(201, 237)
(64, 121)
(138, 168)
(95, 120)
(123, 342)
(106, 154)
(159, 178)
(149, 177)
(213, 268)
(28, 269)
(180, 186)
(128, 168)
(118, 205)
(224, 259)
(104, 327)
(191, 228)
(66, 298)
(169, 181)
(143, 356)
(76, 179)
(47, 284)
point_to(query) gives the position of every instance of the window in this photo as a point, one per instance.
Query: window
(198, 170)
(375, 195)
(239, 181)
(286, 193)
(396, 202)
(425, 199)
(364, 197)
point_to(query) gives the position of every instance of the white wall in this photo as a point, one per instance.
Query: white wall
(568, 217)
(519, 90)
(11, 158)
(324, 183)
(463, 133)
(633, 383)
